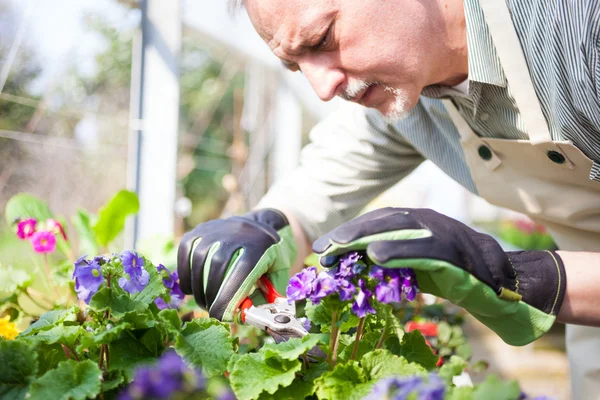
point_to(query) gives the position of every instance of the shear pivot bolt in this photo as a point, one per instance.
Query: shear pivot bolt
(282, 319)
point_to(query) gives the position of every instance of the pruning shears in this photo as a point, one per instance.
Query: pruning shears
(277, 317)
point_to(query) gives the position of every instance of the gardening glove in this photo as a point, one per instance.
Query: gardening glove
(220, 261)
(517, 294)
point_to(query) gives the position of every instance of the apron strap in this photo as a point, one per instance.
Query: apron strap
(504, 36)
(469, 139)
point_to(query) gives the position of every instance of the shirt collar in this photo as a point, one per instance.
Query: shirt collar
(484, 64)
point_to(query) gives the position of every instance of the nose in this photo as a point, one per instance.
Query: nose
(325, 79)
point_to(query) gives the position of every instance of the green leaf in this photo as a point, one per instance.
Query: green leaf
(25, 205)
(381, 363)
(138, 347)
(452, 368)
(346, 381)
(460, 393)
(111, 218)
(252, 374)
(495, 389)
(292, 349)
(171, 318)
(154, 288)
(49, 356)
(118, 303)
(104, 336)
(83, 221)
(414, 349)
(206, 343)
(18, 366)
(298, 389)
(62, 334)
(71, 380)
(12, 280)
(321, 313)
(51, 319)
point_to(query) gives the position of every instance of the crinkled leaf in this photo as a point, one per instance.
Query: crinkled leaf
(70, 380)
(366, 344)
(321, 313)
(495, 389)
(25, 205)
(83, 222)
(381, 363)
(49, 356)
(414, 349)
(171, 318)
(62, 334)
(153, 289)
(346, 381)
(102, 336)
(206, 343)
(18, 367)
(12, 279)
(140, 319)
(252, 374)
(460, 393)
(298, 389)
(51, 319)
(111, 218)
(141, 347)
(114, 379)
(292, 349)
(452, 368)
(118, 303)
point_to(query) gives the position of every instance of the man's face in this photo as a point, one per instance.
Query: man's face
(376, 53)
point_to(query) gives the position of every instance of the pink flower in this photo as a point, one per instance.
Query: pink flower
(43, 242)
(55, 227)
(26, 228)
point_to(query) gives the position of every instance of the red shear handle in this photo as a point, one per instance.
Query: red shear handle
(269, 291)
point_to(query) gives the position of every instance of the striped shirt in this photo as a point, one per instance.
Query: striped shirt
(354, 155)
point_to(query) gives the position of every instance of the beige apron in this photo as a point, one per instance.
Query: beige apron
(549, 181)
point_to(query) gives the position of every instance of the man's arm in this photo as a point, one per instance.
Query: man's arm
(352, 158)
(581, 305)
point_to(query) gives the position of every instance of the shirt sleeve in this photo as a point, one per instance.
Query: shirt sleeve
(352, 158)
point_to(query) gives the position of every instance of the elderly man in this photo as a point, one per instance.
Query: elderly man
(504, 97)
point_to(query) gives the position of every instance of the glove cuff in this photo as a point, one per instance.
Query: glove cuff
(540, 279)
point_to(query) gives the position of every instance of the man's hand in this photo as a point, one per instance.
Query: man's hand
(516, 294)
(220, 261)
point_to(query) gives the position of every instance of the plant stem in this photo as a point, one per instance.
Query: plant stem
(336, 341)
(106, 356)
(359, 333)
(66, 351)
(382, 338)
(332, 339)
(101, 361)
(74, 354)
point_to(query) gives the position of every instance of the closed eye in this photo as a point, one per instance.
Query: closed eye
(325, 39)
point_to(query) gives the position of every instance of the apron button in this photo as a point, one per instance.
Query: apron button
(556, 157)
(485, 152)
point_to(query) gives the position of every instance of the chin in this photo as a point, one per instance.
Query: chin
(397, 106)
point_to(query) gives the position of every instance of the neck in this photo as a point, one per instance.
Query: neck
(453, 67)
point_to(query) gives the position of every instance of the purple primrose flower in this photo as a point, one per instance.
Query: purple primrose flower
(170, 280)
(346, 289)
(324, 286)
(301, 285)
(362, 306)
(134, 267)
(163, 380)
(88, 278)
(305, 323)
(395, 388)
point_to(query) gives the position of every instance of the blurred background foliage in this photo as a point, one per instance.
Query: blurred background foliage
(67, 143)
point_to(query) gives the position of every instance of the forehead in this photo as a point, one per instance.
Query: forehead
(272, 18)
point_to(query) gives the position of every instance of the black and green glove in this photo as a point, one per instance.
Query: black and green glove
(516, 294)
(220, 261)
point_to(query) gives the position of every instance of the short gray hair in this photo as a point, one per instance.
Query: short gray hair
(234, 5)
